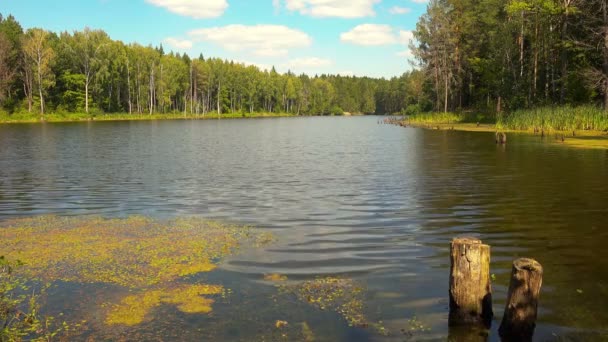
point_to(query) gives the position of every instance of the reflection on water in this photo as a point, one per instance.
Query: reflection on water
(346, 197)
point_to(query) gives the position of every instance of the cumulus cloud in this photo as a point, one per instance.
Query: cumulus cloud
(405, 37)
(399, 10)
(198, 9)
(261, 40)
(376, 35)
(307, 63)
(420, 1)
(333, 8)
(370, 35)
(179, 44)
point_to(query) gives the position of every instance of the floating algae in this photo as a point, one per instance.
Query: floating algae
(341, 295)
(149, 257)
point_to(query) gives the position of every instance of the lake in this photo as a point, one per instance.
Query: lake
(346, 197)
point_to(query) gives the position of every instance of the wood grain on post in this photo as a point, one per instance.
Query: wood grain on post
(519, 320)
(470, 287)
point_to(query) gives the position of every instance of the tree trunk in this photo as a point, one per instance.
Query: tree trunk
(564, 60)
(519, 320)
(86, 94)
(521, 48)
(129, 88)
(445, 99)
(605, 53)
(470, 288)
(40, 83)
(534, 87)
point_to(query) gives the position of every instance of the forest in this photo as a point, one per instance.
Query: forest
(470, 56)
(506, 55)
(87, 72)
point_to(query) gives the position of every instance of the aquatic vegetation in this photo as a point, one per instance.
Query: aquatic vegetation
(280, 324)
(19, 309)
(149, 257)
(307, 333)
(275, 277)
(415, 326)
(342, 295)
(435, 118)
(549, 119)
(132, 310)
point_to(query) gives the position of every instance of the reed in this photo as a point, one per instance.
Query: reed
(436, 118)
(548, 119)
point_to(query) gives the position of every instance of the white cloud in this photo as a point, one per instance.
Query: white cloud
(347, 73)
(260, 66)
(405, 37)
(261, 40)
(407, 54)
(198, 9)
(376, 35)
(399, 10)
(370, 35)
(307, 63)
(333, 8)
(420, 1)
(179, 44)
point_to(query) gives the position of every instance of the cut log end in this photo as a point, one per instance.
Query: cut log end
(530, 265)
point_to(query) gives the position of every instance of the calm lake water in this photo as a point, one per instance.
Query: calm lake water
(346, 197)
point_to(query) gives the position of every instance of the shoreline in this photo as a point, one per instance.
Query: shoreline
(580, 139)
(57, 118)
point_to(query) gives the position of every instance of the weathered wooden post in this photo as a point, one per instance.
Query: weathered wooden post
(470, 288)
(519, 320)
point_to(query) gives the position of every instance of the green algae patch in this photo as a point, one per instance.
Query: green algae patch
(134, 309)
(341, 295)
(153, 259)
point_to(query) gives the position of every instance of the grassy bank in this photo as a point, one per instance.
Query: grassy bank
(77, 117)
(584, 126)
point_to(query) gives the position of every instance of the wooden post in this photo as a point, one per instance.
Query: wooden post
(470, 288)
(519, 320)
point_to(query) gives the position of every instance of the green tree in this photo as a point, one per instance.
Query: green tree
(38, 58)
(88, 45)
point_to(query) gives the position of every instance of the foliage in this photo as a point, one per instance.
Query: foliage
(497, 55)
(150, 257)
(87, 71)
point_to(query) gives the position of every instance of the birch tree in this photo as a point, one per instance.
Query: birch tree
(38, 58)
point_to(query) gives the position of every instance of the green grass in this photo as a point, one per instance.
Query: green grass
(74, 117)
(436, 118)
(583, 118)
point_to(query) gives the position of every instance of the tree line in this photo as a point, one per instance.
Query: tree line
(87, 71)
(498, 55)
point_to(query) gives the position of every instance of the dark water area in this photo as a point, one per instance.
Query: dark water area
(345, 197)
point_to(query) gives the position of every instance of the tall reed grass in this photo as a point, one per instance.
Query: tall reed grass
(556, 119)
(436, 118)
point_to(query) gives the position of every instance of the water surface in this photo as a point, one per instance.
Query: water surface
(346, 197)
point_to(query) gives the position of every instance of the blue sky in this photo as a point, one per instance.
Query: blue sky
(360, 37)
